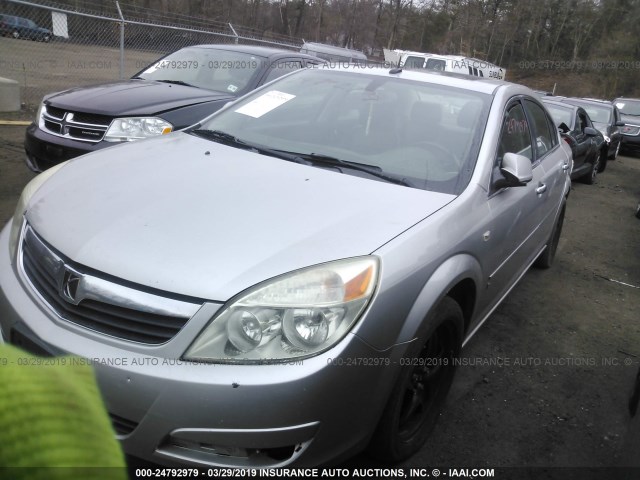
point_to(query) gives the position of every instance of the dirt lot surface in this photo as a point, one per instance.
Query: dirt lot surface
(545, 382)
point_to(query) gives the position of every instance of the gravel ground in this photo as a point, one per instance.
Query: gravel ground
(545, 383)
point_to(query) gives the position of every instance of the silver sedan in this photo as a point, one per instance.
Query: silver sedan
(290, 281)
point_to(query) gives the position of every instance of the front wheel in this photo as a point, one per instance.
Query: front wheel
(420, 391)
(603, 160)
(590, 177)
(615, 154)
(15, 34)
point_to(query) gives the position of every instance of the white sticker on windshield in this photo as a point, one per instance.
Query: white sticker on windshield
(265, 103)
(620, 105)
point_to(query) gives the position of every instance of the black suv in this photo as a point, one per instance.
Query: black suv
(170, 94)
(630, 110)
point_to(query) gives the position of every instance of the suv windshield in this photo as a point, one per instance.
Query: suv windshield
(424, 135)
(628, 107)
(213, 69)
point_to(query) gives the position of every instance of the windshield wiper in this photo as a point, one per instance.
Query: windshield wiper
(176, 82)
(302, 158)
(320, 159)
(228, 139)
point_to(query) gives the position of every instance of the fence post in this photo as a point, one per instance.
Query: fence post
(234, 32)
(121, 41)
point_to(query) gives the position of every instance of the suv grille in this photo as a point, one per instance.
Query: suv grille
(59, 284)
(87, 127)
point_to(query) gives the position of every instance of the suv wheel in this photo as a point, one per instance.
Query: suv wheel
(15, 34)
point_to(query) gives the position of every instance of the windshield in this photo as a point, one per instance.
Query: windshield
(598, 114)
(560, 114)
(209, 68)
(628, 107)
(425, 135)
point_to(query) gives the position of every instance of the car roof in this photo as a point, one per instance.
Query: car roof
(588, 101)
(257, 50)
(467, 82)
(558, 103)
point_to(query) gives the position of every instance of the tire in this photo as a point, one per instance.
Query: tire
(420, 390)
(590, 177)
(603, 160)
(15, 34)
(615, 154)
(545, 260)
(638, 211)
(46, 39)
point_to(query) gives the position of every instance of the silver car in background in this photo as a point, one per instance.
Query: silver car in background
(291, 280)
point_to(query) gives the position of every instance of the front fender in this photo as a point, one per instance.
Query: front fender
(449, 274)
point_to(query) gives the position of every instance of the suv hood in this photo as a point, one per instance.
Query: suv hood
(197, 218)
(132, 97)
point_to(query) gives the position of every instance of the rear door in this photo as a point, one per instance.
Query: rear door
(554, 162)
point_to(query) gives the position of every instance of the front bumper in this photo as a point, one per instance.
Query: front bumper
(44, 150)
(173, 412)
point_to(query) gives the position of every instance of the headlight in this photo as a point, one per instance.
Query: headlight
(295, 315)
(136, 128)
(39, 120)
(630, 130)
(21, 208)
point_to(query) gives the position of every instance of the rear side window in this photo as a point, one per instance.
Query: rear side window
(544, 136)
(414, 62)
(435, 64)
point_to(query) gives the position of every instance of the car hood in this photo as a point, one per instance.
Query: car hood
(132, 97)
(197, 218)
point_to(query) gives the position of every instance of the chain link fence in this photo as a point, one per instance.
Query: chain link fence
(47, 47)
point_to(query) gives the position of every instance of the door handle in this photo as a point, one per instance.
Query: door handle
(541, 188)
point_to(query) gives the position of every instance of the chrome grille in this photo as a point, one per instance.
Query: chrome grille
(93, 302)
(83, 126)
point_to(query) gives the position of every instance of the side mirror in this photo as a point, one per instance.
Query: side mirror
(592, 132)
(620, 124)
(516, 170)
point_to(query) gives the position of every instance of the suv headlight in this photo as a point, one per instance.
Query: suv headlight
(39, 120)
(298, 314)
(630, 130)
(27, 192)
(136, 128)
